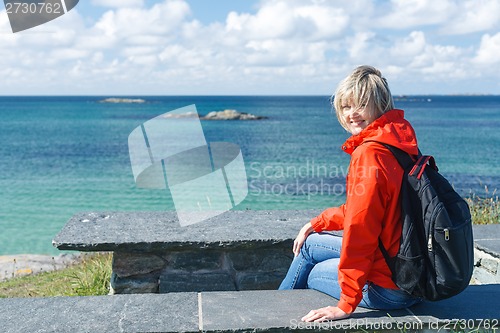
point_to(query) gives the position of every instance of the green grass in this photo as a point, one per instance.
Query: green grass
(90, 276)
(484, 210)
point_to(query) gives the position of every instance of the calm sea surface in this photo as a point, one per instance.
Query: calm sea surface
(62, 155)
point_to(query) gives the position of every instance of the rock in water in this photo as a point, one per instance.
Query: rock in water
(230, 115)
(180, 115)
(122, 100)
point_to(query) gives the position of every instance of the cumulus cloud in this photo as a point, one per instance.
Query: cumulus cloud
(118, 3)
(473, 16)
(159, 20)
(410, 46)
(282, 19)
(404, 14)
(488, 51)
(294, 46)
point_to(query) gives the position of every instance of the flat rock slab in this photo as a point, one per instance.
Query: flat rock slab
(244, 311)
(119, 313)
(476, 303)
(272, 310)
(159, 231)
(487, 238)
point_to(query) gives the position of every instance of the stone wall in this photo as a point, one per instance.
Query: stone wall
(152, 253)
(253, 267)
(237, 250)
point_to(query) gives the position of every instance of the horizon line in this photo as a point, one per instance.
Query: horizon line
(239, 95)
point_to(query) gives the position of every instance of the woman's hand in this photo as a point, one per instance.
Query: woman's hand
(328, 313)
(301, 238)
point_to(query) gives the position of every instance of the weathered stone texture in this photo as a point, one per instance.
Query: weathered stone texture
(200, 260)
(259, 281)
(265, 259)
(180, 282)
(128, 264)
(224, 269)
(139, 284)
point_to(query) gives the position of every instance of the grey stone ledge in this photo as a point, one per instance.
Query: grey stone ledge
(244, 311)
(158, 231)
(118, 313)
(487, 238)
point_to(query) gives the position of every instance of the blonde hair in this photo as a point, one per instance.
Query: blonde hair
(363, 86)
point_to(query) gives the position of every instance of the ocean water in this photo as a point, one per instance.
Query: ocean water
(63, 155)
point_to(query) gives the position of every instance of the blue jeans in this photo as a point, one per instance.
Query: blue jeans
(316, 267)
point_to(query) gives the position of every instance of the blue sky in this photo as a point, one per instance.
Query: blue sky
(264, 47)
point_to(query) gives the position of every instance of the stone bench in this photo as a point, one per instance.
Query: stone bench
(238, 250)
(241, 311)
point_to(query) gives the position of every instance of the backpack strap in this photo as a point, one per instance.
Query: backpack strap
(407, 162)
(404, 159)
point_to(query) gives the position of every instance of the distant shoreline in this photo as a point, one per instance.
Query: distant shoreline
(282, 95)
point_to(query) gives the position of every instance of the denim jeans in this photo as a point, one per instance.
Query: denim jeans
(316, 267)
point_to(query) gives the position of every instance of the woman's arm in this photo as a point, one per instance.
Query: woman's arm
(330, 219)
(301, 237)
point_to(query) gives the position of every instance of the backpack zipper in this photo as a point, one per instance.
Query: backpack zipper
(446, 234)
(429, 243)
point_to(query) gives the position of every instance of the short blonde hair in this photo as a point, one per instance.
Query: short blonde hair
(363, 86)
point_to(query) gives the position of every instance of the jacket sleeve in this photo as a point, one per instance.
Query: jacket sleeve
(367, 197)
(329, 219)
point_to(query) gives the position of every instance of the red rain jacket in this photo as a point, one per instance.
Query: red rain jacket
(372, 208)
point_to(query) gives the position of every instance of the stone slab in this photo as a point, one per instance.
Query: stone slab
(261, 311)
(273, 310)
(119, 313)
(474, 303)
(159, 231)
(487, 238)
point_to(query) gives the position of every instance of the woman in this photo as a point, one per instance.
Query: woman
(352, 268)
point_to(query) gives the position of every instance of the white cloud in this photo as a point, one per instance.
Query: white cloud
(280, 19)
(410, 46)
(160, 19)
(180, 56)
(361, 44)
(489, 50)
(417, 13)
(118, 3)
(295, 46)
(474, 16)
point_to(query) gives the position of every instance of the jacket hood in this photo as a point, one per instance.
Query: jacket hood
(390, 128)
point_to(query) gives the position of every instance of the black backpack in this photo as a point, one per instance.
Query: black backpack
(435, 258)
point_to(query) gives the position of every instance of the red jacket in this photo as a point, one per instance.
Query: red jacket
(372, 208)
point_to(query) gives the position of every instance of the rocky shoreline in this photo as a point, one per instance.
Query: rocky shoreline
(12, 266)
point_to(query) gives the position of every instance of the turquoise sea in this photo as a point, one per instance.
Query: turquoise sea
(62, 155)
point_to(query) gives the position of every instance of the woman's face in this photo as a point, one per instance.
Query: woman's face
(357, 117)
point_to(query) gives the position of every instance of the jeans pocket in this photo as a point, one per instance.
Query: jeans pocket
(388, 299)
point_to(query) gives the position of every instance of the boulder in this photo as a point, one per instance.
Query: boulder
(229, 114)
(122, 100)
